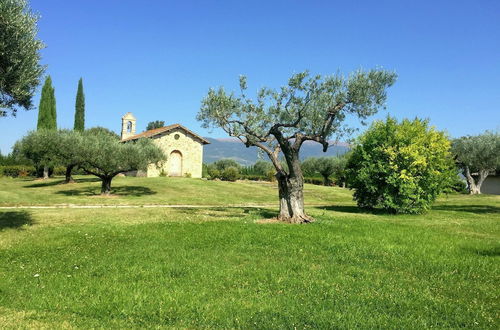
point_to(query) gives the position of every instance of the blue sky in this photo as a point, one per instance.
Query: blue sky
(157, 59)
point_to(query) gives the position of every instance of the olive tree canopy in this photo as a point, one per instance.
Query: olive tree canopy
(105, 157)
(20, 70)
(477, 156)
(308, 108)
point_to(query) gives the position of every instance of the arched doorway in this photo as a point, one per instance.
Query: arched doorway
(175, 163)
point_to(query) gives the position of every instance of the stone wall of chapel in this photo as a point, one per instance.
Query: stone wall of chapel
(190, 148)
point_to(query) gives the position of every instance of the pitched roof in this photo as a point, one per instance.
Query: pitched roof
(157, 131)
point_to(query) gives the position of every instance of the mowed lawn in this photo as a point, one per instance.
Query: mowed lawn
(141, 191)
(222, 267)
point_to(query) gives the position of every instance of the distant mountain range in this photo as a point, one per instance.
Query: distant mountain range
(233, 148)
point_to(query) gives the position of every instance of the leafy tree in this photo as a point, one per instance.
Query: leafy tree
(340, 170)
(67, 150)
(222, 164)
(20, 70)
(262, 167)
(400, 167)
(230, 173)
(324, 166)
(477, 156)
(105, 157)
(155, 124)
(99, 129)
(279, 121)
(53, 148)
(80, 108)
(38, 146)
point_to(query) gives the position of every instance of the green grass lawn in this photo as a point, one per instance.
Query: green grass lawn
(139, 191)
(221, 267)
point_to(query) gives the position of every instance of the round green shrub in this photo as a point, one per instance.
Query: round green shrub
(230, 174)
(400, 167)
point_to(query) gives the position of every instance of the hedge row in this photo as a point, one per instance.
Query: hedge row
(15, 171)
(257, 177)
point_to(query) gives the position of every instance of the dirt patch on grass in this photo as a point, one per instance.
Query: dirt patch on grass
(270, 220)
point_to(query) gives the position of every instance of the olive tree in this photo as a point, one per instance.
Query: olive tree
(66, 148)
(106, 157)
(477, 156)
(53, 148)
(308, 108)
(38, 146)
(20, 70)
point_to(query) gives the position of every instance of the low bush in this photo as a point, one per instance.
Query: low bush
(15, 171)
(400, 167)
(230, 174)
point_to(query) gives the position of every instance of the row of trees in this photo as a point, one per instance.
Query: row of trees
(330, 169)
(96, 151)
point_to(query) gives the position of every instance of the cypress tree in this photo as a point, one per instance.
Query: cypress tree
(46, 109)
(80, 108)
(53, 117)
(47, 115)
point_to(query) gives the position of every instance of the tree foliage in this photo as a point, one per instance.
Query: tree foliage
(102, 130)
(279, 121)
(222, 164)
(105, 157)
(477, 156)
(79, 124)
(224, 169)
(155, 124)
(39, 147)
(47, 117)
(20, 70)
(262, 167)
(400, 167)
(326, 167)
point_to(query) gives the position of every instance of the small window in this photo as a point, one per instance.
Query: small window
(177, 136)
(129, 127)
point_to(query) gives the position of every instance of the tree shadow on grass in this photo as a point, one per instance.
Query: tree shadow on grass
(134, 191)
(15, 219)
(352, 209)
(485, 252)
(478, 209)
(225, 212)
(41, 184)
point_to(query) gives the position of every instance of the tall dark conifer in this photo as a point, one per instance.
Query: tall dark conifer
(80, 108)
(47, 117)
(47, 107)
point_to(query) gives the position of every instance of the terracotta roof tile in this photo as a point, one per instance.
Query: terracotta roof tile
(156, 131)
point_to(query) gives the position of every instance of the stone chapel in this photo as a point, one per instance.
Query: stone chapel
(184, 148)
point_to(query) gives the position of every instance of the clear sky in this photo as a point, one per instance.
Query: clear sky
(157, 59)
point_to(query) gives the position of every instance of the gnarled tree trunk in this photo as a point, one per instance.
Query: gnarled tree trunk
(106, 185)
(291, 192)
(69, 178)
(474, 184)
(291, 200)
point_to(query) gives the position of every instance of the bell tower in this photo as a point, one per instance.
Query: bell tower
(128, 125)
